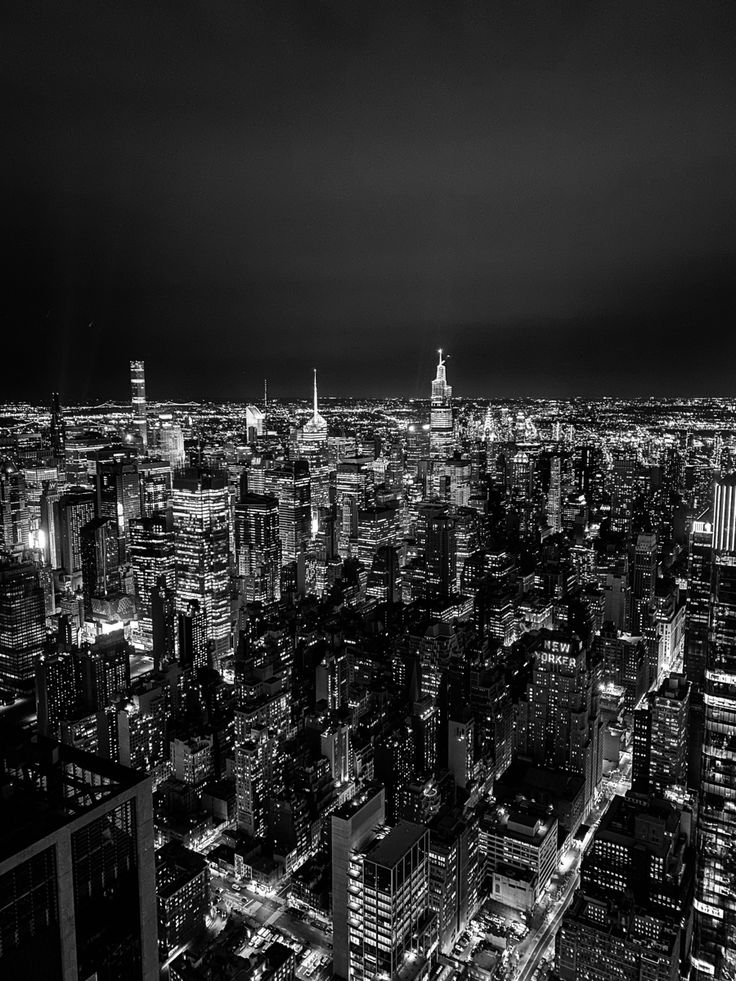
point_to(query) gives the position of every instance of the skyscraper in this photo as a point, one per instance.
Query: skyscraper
(138, 399)
(314, 431)
(22, 625)
(715, 898)
(441, 423)
(391, 927)
(14, 516)
(77, 875)
(152, 557)
(661, 723)
(201, 508)
(100, 562)
(352, 825)
(559, 725)
(58, 429)
(257, 547)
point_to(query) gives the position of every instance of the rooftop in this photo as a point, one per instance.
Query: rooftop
(391, 849)
(42, 787)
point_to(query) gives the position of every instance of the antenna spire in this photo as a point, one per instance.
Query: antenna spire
(315, 393)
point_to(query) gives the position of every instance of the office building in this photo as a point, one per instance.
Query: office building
(258, 547)
(77, 875)
(715, 906)
(441, 421)
(77, 508)
(559, 725)
(392, 930)
(14, 515)
(351, 826)
(138, 401)
(182, 896)
(661, 726)
(201, 509)
(152, 559)
(22, 625)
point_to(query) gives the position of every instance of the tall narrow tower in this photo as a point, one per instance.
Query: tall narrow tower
(138, 398)
(441, 424)
(58, 430)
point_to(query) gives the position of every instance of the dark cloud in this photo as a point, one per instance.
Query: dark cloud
(240, 189)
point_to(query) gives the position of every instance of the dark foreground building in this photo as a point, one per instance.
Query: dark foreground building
(77, 875)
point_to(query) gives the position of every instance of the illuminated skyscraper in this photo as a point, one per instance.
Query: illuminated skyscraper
(22, 625)
(391, 928)
(559, 726)
(201, 508)
(76, 509)
(100, 565)
(352, 825)
(715, 896)
(169, 441)
(291, 485)
(58, 429)
(152, 556)
(257, 547)
(314, 431)
(14, 515)
(119, 497)
(138, 398)
(441, 425)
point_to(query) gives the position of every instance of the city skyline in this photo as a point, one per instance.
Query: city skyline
(368, 491)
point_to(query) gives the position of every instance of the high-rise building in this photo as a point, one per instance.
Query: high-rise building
(699, 569)
(100, 562)
(58, 429)
(255, 776)
(152, 557)
(49, 524)
(255, 421)
(182, 893)
(724, 516)
(441, 424)
(119, 497)
(392, 930)
(258, 547)
(455, 873)
(77, 875)
(436, 540)
(138, 399)
(559, 725)
(313, 434)
(520, 851)
(56, 690)
(661, 725)
(192, 638)
(715, 900)
(632, 915)
(644, 579)
(22, 625)
(201, 508)
(169, 442)
(76, 509)
(14, 515)
(103, 670)
(351, 826)
(290, 484)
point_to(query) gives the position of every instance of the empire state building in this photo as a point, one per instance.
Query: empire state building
(441, 425)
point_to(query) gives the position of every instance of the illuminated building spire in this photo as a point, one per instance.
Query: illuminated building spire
(316, 413)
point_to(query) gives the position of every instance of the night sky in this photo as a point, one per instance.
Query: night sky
(233, 190)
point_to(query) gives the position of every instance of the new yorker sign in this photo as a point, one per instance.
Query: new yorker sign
(558, 660)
